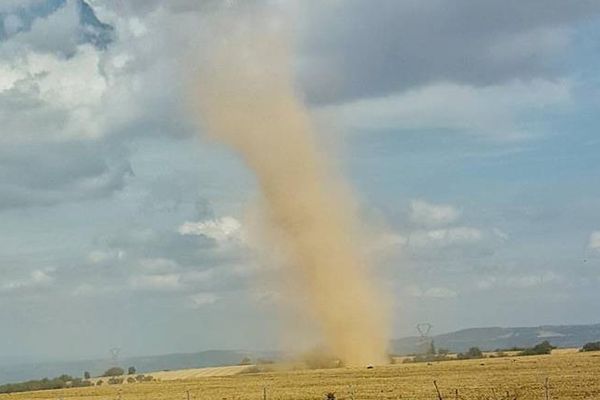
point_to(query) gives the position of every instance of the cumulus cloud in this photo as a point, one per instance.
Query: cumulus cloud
(36, 279)
(424, 213)
(519, 281)
(445, 237)
(156, 282)
(55, 33)
(436, 292)
(490, 111)
(199, 300)
(222, 230)
(134, 87)
(379, 48)
(166, 261)
(594, 241)
(77, 121)
(435, 231)
(49, 174)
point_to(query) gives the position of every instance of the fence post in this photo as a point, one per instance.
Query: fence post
(438, 391)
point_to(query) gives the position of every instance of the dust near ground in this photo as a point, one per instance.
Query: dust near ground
(246, 99)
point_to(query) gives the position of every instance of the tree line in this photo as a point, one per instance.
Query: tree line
(61, 382)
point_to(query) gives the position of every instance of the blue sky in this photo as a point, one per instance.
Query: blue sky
(468, 132)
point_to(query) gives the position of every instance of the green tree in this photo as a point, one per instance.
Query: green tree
(86, 375)
(131, 371)
(473, 352)
(591, 346)
(114, 371)
(541, 348)
(246, 361)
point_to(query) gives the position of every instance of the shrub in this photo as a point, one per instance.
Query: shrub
(114, 371)
(60, 382)
(131, 379)
(472, 353)
(65, 378)
(246, 361)
(131, 371)
(115, 381)
(541, 348)
(591, 346)
(99, 382)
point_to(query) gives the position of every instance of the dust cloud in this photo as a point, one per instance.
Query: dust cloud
(246, 99)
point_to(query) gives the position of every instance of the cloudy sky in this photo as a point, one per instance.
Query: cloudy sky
(468, 130)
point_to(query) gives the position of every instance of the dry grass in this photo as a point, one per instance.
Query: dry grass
(186, 374)
(571, 376)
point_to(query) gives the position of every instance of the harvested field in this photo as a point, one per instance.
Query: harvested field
(570, 375)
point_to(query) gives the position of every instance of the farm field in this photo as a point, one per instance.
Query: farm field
(571, 375)
(191, 373)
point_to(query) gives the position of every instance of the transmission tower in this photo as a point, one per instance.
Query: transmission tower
(425, 341)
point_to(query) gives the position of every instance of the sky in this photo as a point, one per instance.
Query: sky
(468, 132)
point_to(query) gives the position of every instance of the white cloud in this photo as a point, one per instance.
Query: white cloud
(47, 97)
(519, 281)
(492, 111)
(440, 293)
(158, 282)
(37, 278)
(222, 230)
(500, 234)
(102, 256)
(486, 283)
(424, 213)
(202, 299)
(436, 292)
(445, 237)
(158, 265)
(594, 242)
(58, 32)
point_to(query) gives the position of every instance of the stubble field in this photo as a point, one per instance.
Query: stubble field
(570, 375)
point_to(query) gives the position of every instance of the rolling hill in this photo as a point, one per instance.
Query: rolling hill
(484, 338)
(503, 338)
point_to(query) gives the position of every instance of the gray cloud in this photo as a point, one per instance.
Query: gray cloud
(355, 49)
(43, 174)
(71, 127)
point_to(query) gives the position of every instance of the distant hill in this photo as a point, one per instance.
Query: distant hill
(459, 341)
(211, 358)
(501, 338)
